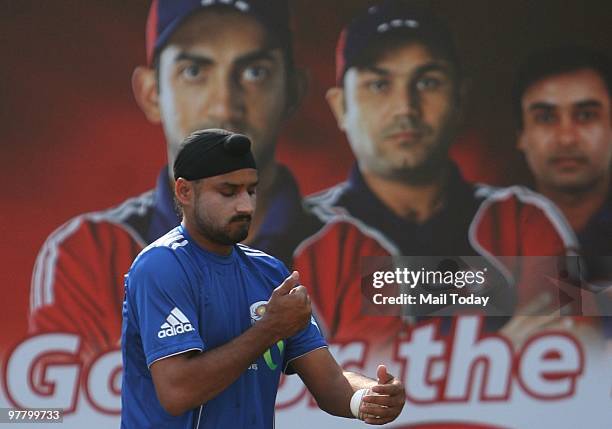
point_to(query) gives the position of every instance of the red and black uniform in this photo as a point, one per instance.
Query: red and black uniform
(474, 221)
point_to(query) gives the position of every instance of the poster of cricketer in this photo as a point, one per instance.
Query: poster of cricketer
(439, 173)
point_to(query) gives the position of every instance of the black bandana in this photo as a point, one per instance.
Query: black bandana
(212, 152)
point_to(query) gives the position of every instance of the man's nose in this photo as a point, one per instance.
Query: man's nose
(567, 133)
(406, 100)
(225, 103)
(245, 203)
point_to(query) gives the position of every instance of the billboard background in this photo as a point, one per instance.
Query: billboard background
(74, 140)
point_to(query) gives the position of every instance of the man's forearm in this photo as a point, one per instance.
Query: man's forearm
(339, 405)
(358, 381)
(193, 379)
(331, 387)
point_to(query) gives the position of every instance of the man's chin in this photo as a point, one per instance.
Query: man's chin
(573, 183)
(240, 234)
(573, 187)
(416, 171)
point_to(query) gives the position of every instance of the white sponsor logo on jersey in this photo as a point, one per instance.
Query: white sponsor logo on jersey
(176, 323)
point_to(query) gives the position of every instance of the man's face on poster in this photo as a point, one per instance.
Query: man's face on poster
(399, 111)
(567, 131)
(220, 70)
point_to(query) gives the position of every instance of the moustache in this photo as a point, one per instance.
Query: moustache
(576, 157)
(408, 124)
(241, 218)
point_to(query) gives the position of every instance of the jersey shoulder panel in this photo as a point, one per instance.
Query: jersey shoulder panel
(89, 248)
(347, 233)
(338, 225)
(263, 261)
(518, 221)
(170, 246)
(325, 204)
(132, 215)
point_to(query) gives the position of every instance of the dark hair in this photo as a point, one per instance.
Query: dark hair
(550, 62)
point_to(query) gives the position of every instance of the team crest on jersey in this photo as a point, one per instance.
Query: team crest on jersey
(258, 309)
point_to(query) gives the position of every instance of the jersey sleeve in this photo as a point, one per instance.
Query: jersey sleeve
(77, 283)
(308, 339)
(305, 341)
(534, 242)
(165, 307)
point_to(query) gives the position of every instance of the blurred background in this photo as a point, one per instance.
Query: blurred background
(74, 140)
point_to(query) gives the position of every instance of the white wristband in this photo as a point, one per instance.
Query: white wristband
(356, 401)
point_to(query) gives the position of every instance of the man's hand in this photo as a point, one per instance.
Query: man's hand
(288, 310)
(533, 318)
(384, 401)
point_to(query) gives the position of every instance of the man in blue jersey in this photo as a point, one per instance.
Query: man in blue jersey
(209, 324)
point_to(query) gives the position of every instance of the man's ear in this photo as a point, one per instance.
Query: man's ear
(296, 90)
(144, 87)
(183, 190)
(335, 99)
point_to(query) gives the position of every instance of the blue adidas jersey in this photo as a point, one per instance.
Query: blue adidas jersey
(180, 297)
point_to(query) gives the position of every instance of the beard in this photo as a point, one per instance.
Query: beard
(432, 163)
(575, 187)
(424, 173)
(228, 234)
(576, 182)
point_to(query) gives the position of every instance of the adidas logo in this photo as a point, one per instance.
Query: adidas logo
(176, 323)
